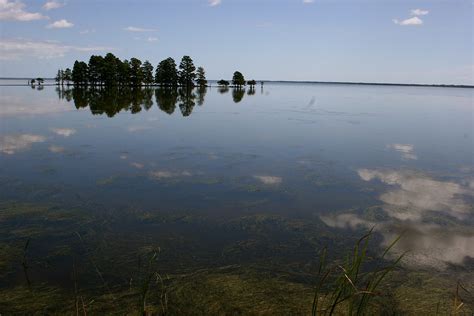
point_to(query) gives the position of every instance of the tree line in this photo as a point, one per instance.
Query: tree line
(111, 71)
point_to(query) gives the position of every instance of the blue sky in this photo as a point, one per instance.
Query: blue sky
(319, 40)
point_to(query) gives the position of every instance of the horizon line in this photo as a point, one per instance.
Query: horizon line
(318, 82)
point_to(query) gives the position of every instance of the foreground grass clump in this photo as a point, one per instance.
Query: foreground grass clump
(349, 288)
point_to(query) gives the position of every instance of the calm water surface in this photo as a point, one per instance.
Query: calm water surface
(93, 181)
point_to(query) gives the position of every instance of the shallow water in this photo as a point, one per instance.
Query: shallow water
(258, 178)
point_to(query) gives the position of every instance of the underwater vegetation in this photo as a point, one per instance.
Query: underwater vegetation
(86, 260)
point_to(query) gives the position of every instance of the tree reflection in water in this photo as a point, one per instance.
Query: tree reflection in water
(238, 94)
(112, 100)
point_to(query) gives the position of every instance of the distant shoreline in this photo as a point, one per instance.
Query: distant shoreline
(375, 84)
(305, 82)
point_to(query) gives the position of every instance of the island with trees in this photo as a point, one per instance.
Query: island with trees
(109, 71)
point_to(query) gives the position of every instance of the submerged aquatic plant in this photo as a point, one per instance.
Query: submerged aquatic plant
(347, 288)
(147, 277)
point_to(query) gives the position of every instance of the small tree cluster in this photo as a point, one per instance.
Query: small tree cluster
(251, 83)
(39, 81)
(238, 80)
(63, 76)
(223, 82)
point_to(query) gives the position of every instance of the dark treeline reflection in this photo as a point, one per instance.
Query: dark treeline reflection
(111, 101)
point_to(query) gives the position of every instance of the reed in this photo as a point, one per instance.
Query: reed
(347, 288)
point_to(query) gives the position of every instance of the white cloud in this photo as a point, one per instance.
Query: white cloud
(419, 12)
(214, 3)
(149, 39)
(14, 11)
(11, 144)
(411, 21)
(66, 132)
(87, 31)
(50, 5)
(60, 24)
(138, 29)
(406, 150)
(270, 180)
(308, 1)
(16, 49)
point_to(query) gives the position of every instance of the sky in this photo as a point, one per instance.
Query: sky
(397, 41)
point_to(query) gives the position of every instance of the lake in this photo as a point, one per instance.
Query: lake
(219, 201)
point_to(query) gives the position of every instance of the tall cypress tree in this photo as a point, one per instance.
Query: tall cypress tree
(79, 73)
(147, 71)
(201, 77)
(136, 75)
(187, 72)
(166, 73)
(96, 64)
(58, 77)
(124, 73)
(110, 69)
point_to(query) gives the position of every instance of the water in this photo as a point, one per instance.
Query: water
(250, 181)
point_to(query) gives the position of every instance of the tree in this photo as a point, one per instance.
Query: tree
(238, 79)
(68, 75)
(32, 81)
(147, 70)
(95, 69)
(166, 73)
(136, 74)
(251, 82)
(123, 73)
(58, 77)
(201, 77)
(186, 72)
(110, 69)
(39, 81)
(223, 82)
(62, 77)
(79, 73)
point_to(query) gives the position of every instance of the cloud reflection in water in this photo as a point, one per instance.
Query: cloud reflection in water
(413, 207)
(406, 150)
(10, 144)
